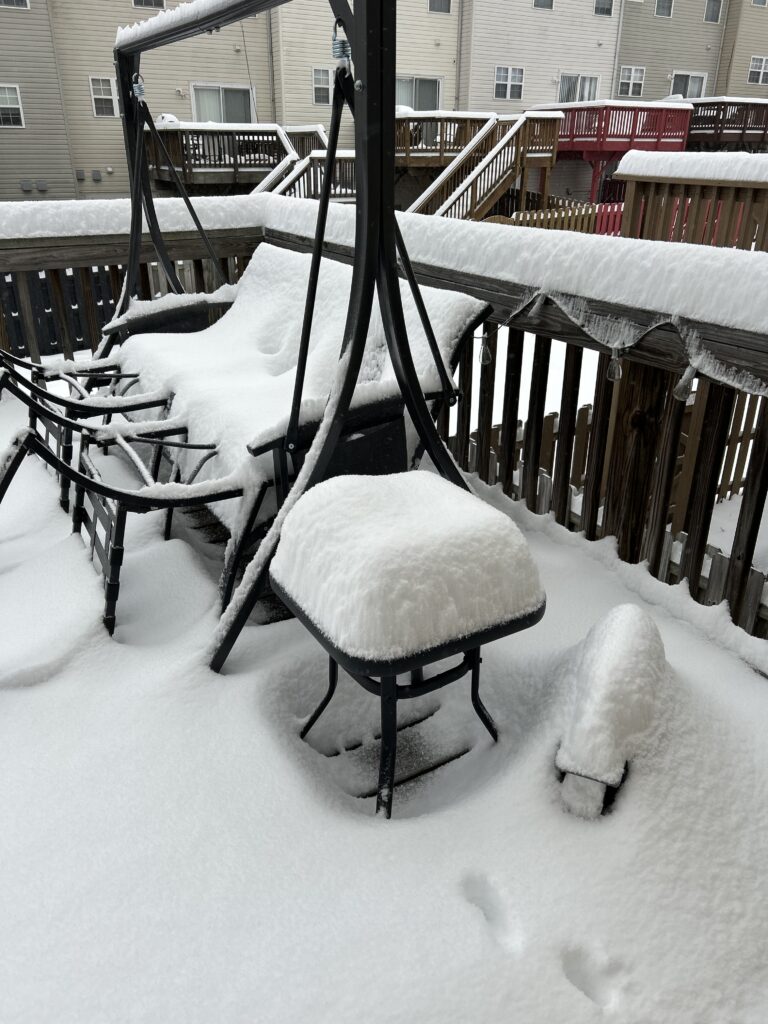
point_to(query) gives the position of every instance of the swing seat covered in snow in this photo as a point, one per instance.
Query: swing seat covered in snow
(394, 573)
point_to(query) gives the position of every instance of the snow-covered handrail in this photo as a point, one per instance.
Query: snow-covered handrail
(419, 206)
(468, 186)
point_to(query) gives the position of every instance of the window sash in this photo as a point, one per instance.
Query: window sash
(321, 86)
(631, 81)
(103, 96)
(544, 5)
(758, 71)
(664, 8)
(440, 6)
(11, 113)
(604, 8)
(690, 85)
(508, 83)
(712, 11)
(759, 3)
(20, 5)
(157, 4)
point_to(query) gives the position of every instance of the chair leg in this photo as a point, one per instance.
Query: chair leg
(112, 582)
(9, 470)
(333, 678)
(66, 456)
(388, 746)
(237, 548)
(477, 704)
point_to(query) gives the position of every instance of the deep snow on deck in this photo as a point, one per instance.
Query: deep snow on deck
(171, 851)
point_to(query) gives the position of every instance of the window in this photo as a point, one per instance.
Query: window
(418, 93)
(149, 3)
(440, 6)
(321, 85)
(23, 4)
(543, 5)
(631, 81)
(664, 8)
(712, 11)
(689, 85)
(577, 88)
(509, 84)
(758, 71)
(104, 97)
(11, 114)
(759, 3)
(604, 8)
(222, 104)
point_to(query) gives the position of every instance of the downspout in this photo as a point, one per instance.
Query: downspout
(271, 65)
(724, 18)
(614, 83)
(61, 98)
(457, 88)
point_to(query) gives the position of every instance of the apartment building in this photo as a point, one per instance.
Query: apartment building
(515, 54)
(693, 48)
(60, 129)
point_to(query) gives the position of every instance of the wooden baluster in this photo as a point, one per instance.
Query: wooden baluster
(88, 313)
(26, 315)
(734, 436)
(748, 525)
(633, 454)
(464, 410)
(746, 434)
(661, 483)
(682, 488)
(509, 421)
(598, 439)
(535, 423)
(62, 312)
(485, 411)
(566, 433)
(714, 434)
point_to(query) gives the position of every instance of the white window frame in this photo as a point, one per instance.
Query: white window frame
(17, 87)
(245, 86)
(719, 14)
(596, 15)
(15, 7)
(763, 70)
(632, 68)
(664, 17)
(697, 74)
(537, 8)
(149, 7)
(427, 78)
(509, 67)
(315, 103)
(579, 75)
(449, 12)
(759, 3)
(113, 86)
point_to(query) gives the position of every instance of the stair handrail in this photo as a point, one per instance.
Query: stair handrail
(475, 174)
(465, 156)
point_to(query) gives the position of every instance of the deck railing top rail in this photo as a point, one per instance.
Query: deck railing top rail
(615, 125)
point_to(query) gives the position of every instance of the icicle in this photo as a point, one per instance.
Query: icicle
(485, 354)
(614, 369)
(682, 390)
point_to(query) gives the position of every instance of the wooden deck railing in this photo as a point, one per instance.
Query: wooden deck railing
(202, 154)
(306, 138)
(306, 178)
(702, 212)
(434, 139)
(590, 218)
(634, 462)
(619, 126)
(736, 123)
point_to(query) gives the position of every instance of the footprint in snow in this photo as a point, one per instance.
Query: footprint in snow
(594, 974)
(480, 892)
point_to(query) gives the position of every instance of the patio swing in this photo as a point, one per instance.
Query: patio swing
(448, 533)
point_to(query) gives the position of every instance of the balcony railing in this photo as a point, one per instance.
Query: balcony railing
(720, 121)
(614, 127)
(431, 139)
(219, 154)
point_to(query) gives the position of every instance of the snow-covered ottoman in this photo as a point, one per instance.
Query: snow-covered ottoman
(393, 573)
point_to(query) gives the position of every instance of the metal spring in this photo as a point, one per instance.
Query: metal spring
(340, 48)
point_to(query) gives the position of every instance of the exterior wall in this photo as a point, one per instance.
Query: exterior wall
(84, 35)
(663, 46)
(426, 47)
(37, 152)
(465, 51)
(746, 36)
(570, 39)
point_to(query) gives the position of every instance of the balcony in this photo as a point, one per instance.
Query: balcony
(722, 122)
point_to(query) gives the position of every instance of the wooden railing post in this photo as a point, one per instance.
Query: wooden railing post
(535, 424)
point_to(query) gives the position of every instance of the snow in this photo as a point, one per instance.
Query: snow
(719, 167)
(722, 530)
(175, 17)
(668, 104)
(140, 308)
(177, 854)
(617, 687)
(233, 382)
(388, 566)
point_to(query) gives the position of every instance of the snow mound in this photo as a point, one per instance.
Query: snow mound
(720, 167)
(386, 566)
(618, 678)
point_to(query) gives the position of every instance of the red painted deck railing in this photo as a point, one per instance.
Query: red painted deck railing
(616, 127)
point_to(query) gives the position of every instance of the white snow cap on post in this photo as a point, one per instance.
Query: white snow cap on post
(618, 680)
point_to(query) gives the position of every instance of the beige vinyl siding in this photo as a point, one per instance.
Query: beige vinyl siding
(85, 35)
(465, 47)
(569, 39)
(38, 151)
(684, 43)
(748, 39)
(426, 48)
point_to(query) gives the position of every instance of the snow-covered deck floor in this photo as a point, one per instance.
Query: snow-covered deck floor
(171, 851)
